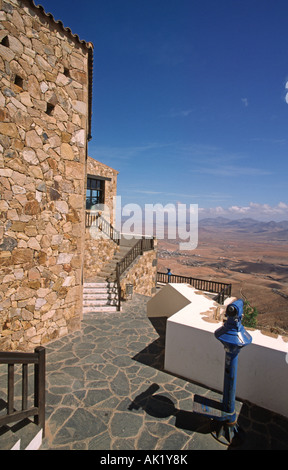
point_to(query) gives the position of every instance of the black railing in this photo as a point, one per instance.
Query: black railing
(38, 410)
(222, 289)
(224, 294)
(144, 244)
(94, 219)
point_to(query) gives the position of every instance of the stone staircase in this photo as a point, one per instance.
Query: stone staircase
(108, 273)
(101, 295)
(21, 436)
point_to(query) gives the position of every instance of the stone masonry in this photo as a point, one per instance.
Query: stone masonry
(142, 274)
(95, 168)
(45, 118)
(45, 124)
(99, 249)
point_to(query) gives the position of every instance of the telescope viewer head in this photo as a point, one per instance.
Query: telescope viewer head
(235, 309)
(233, 334)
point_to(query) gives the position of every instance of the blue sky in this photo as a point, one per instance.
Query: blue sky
(189, 100)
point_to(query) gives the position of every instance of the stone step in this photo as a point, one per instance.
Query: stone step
(9, 440)
(96, 303)
(100, 290)
(24, 435)
(110, 265)
(117, 258)
(103, 296)
(109, 276)
(109, 269)
(100, 309)
(100, 296)
(120, 255)
(98, 284)
(106, 272)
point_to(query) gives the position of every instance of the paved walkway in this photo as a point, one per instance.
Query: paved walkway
(106, 390)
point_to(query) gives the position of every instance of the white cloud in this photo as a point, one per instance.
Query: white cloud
(245, 102)
(232, 171)
(239, 210)
(181, 113)
(286, 97)
(255, 210)
(282, 205)
(107, 153)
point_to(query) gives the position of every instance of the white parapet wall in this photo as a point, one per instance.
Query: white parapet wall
(193, 352)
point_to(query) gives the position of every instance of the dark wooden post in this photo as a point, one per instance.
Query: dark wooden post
(39, 398)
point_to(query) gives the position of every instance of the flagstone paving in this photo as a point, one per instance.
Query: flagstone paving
(107, 390)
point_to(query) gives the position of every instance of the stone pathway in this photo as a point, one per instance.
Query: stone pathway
(106, 390)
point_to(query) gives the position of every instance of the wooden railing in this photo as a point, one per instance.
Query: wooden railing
(224, 294)
(94, 219)
(144, 244)
(222, 289)
(38, 410)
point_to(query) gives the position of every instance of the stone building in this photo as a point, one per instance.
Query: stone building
(100, 191)
(101, 186)
(109, 246)
(47, 181)
(45, 124)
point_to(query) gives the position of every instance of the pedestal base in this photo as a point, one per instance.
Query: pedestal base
(227, 433)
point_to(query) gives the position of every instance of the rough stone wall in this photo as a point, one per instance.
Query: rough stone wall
(98, 252)
(43, 135)
(142, 274)
(96, 168)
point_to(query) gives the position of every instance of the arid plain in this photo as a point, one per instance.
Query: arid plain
(251, 255)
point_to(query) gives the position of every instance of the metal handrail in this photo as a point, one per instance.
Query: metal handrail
(225, 293)
(144, 244)
(94, 219)
(221, 288)
(38, 358)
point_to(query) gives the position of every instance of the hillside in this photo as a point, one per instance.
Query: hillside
(251, 255)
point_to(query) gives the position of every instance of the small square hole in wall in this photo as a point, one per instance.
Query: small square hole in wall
(5, 41)
(66, 72)
(50, 109)
(18, 81)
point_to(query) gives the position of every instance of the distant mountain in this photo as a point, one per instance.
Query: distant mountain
(246, 225)
(214, 222)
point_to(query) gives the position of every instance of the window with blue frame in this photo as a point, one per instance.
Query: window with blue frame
(95, 192)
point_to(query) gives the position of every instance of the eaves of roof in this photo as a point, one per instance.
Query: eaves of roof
(39, 9)
(103, 164)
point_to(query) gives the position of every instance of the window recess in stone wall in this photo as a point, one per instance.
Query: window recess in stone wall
(5, 41)
(19, 81)
(95, 193)
(50, 109)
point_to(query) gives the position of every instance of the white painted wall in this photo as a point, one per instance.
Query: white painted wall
(173, 297)
(167, 302)
(193, 352)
